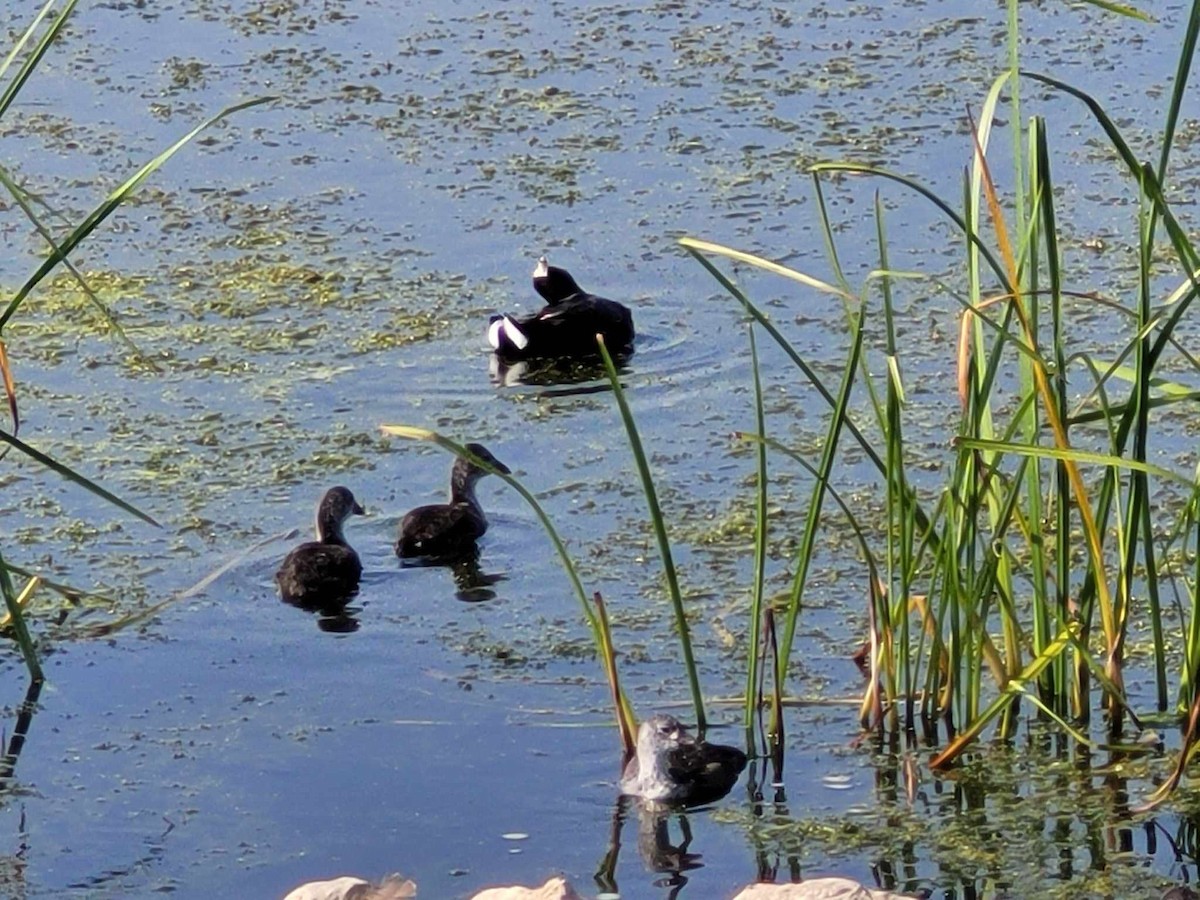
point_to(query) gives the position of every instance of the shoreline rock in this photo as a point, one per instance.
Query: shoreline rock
(394, 887)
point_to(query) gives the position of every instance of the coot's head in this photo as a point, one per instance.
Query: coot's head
(552, 283)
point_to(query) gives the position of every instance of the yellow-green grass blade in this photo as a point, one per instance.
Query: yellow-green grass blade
(1121, 9)
(1072, 455)
(1066, 638)
(758, 262)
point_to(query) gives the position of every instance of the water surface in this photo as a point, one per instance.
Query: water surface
(317, 267)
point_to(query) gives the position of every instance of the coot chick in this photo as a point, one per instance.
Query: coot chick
(671, 766)
(322, 573)
(444, 531)
(567, 326)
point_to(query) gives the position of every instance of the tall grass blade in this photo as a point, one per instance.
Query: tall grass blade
(1191, 740)
(1118, 142)
(1015, 686)
(697, 247)
(1121, 9)
(933, 198)
(1189, 681)
(754, 642)
(1183, 72)
(608, 658)
(1060, 612)
(1081, 456)
(25, 38)
(763, 320)
(27, 592)
(660, 533)
(821, 476)
(777, 733)
(901, 562)
(812, 523)
(1108, 606)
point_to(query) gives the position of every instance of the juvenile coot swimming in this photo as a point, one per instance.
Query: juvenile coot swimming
(449, 530)
(567, 326)
(671, 766)
(323, 572)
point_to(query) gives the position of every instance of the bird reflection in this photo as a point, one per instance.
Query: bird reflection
(474, 585)
(333, 616)
(658, 852)
(576, 376)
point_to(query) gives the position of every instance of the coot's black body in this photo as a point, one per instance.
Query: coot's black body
(445, 531)
(566, 327)
(323, 573)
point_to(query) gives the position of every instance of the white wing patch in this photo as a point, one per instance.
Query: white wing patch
(494, 330)
(514, 333)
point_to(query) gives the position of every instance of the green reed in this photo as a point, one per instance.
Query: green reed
(754, 643)
(1039, 542)
(660, 533)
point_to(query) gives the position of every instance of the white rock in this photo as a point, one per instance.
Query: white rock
(344, 888)
(349, 888)
(816, 889)
(554, 889)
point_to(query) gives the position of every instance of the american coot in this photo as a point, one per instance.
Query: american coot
(448, 530)
(671, 766)
(567, 326)
(324, 572)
